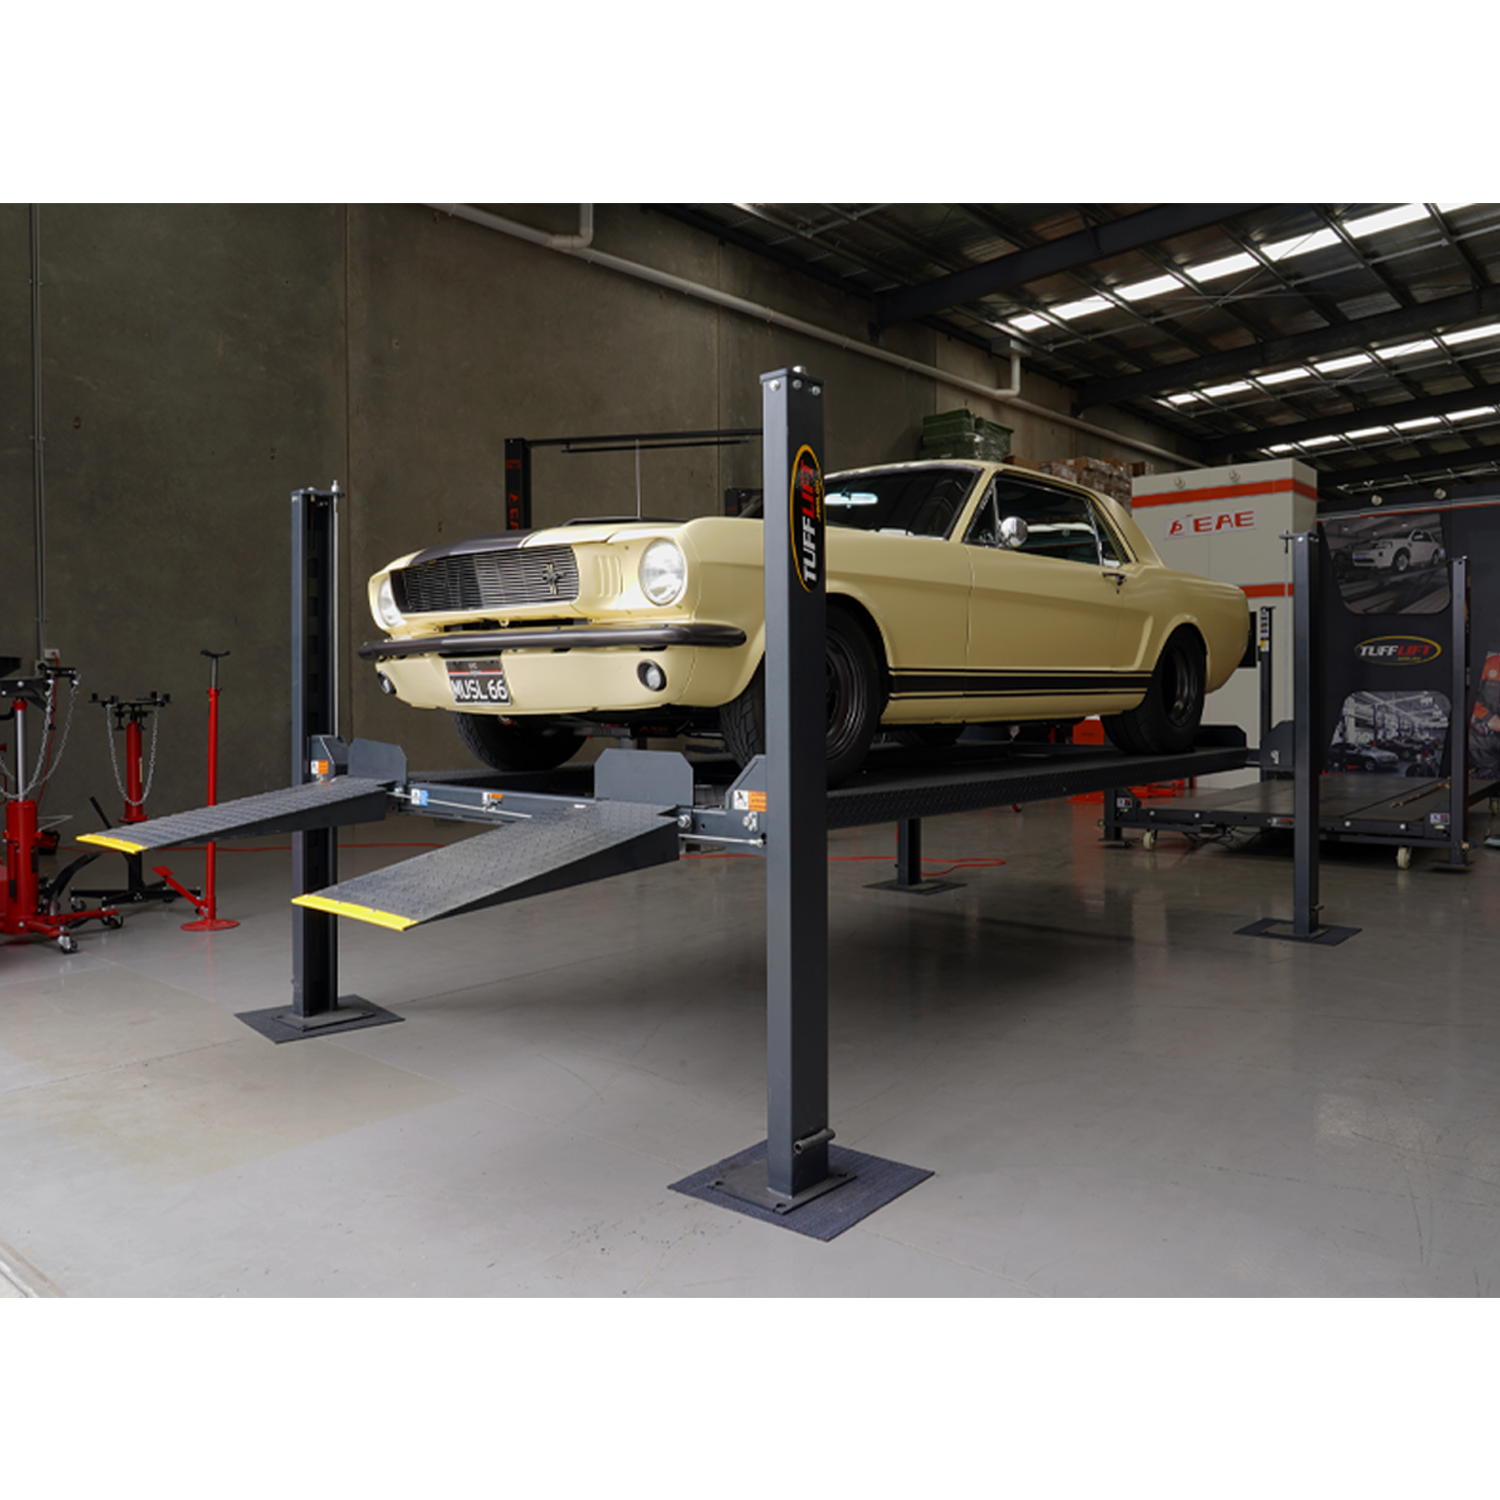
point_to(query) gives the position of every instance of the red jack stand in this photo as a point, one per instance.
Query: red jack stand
(129, 715)
(209, 919)
(28, 905)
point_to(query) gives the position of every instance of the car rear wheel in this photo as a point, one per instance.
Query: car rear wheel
(516, 744)
(852, 700)
(1402, 562)
(1167, 718)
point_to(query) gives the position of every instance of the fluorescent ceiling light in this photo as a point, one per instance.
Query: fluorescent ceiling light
(1365, 432)
(1405, 213)
(1276, 377)
(1468, 335)
(1347, 363)
(1184, 397)
(1280, 448)
(1212, 270)
(1398, 351)
(1226, 390)
(1081, 308)
(1474, 411)
(1417, 422)
(1026, 322)
(1300, 244)
(1153, 288)
(1318, 442)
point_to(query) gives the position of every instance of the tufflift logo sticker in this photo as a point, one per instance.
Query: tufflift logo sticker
(1223, 520)
(1398, 650)
(807, 519)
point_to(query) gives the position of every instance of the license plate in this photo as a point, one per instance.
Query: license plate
(478, 682)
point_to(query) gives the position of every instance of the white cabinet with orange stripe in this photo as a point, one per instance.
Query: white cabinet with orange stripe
(1227, 524)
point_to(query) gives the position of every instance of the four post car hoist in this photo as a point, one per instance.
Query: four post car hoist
(639, 809)
(28, 904)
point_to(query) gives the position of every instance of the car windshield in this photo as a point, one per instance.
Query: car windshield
(912, 502)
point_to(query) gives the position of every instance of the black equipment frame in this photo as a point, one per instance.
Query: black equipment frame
(1407, 813)
(518, 451)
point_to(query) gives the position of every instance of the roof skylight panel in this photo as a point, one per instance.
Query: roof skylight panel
(1157, 286)
(1213, 269)
(1299, 244)
(1468, 335)
(1347, 362)
(1390, 218)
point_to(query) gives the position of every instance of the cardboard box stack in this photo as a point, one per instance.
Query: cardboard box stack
(1102, 474)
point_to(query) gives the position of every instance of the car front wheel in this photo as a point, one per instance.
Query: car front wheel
(1167, 718)
(852, 701)
(516, 744)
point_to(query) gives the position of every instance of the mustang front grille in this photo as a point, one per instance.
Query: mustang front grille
(490, 581)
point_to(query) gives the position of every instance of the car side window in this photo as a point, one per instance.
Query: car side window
(1059, 523)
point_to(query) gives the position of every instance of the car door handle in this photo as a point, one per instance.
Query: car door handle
(1116, 578)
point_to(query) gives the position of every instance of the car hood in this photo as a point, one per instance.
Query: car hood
(603, 530)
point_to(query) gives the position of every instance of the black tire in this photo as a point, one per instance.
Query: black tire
(516, 744)
(1402, 561)
(1167, 718)
(853, 700)
(928, 736)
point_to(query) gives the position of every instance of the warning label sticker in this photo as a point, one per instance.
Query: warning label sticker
(749, 802)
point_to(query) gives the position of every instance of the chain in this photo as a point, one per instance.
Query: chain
(47, 719)
(114, 763)
(151, 764)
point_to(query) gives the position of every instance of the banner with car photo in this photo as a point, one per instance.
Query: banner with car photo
(1387, 632)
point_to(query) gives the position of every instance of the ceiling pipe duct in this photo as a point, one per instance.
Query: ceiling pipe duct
(580, 247)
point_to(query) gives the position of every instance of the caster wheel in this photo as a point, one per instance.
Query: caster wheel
(114, 923)
(1403, 858)
(1149, 841)
(67, 944)
(75, 903)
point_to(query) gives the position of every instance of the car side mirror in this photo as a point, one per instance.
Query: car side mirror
(1013, 533)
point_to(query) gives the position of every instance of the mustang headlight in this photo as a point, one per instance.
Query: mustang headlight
(385, 607)
(663, 572)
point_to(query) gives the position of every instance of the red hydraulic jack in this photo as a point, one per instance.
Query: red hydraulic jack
(209, 919)
(28, 905)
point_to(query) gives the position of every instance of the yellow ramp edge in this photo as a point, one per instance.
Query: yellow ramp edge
(108, 841)
(359, 913)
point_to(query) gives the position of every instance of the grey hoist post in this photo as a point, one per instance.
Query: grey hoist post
(315, 944)
(1307, 752)
(797, 1133)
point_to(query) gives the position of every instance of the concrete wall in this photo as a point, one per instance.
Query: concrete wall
(200, 363)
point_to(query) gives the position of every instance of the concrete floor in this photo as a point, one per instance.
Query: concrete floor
(1118, 1096)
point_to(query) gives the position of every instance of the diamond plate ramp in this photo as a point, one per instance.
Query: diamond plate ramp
(319, 804)
(547, 852)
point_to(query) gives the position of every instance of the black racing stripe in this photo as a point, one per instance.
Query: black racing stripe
(996, 684)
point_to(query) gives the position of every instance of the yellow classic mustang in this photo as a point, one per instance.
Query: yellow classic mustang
(958, 593)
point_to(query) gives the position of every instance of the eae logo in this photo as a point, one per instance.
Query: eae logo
(1398, 650)
(1221, 520)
